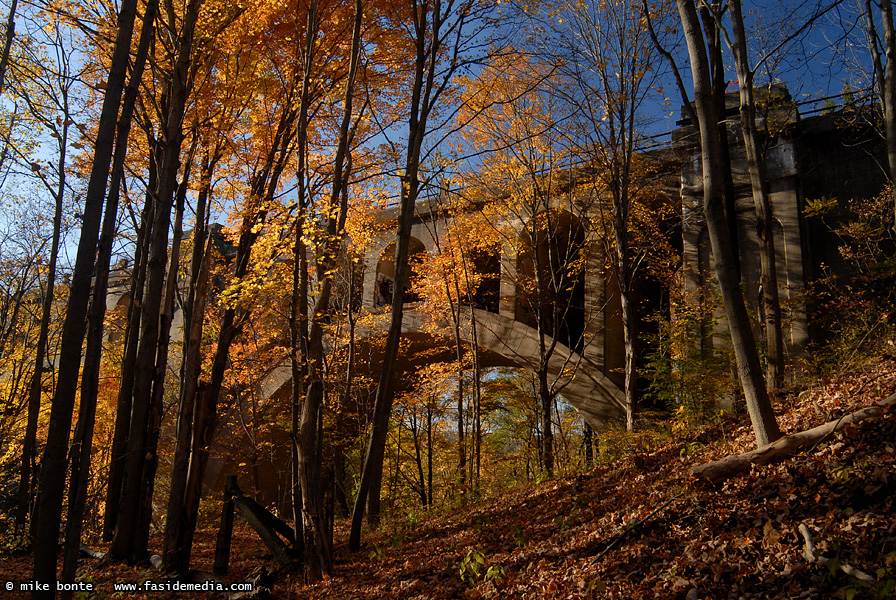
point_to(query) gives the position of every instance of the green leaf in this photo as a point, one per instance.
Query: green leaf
(833, 565)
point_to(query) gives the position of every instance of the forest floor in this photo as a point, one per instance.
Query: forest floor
(641, 527)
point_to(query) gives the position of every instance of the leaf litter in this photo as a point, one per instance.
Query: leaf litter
(640, 527)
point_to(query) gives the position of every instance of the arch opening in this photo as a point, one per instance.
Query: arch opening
(550, 287)
(384, 290)
(486, 267)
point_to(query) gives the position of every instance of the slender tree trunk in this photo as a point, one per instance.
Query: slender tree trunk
(317, 548)
(158, 387)
(709, 13)
(431, 77)
(629, 318)
(888, 92)
(885, 75)
(589, 445)
(178, 547)
(298, 320)
(546, 403)
(131, 529)
(126, 384)
(429, 449)
(80, 454)
(629, 335)
(418, 458)
(26, 491)
(53, 467)
(759, 405)
(548, 280)
(371, 476)
(302, 464)
(477, 405)
(204, 420)
(459, 357)
(764, 217)
(7, 43)
(177, 550)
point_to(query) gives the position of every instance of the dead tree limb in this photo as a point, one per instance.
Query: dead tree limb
(809, 553)
(785, 447)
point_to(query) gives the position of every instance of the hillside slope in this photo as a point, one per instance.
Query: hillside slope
(638, 528)
(562, 539)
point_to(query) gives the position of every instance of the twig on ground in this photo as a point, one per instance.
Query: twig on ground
(631, 527)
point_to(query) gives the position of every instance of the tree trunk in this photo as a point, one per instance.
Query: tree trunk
(589, 445)
(126, 384)
(888, 85)
(629, 318)
(204, 416)
(885, 76)
(80, 454)
(53, 467)
(429, 450)
(709, 13)
(759, 405)
(764, 218)
(434, 68)
(477, 405)
(29, 461)
(418, 458)
(372, 472)
(7, 43)
(546, 401)
(298, 316)
(177, 550)
(158, 387)
(317, 549)
(459, 357)
(131, 529)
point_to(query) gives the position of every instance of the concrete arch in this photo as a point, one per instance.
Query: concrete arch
(503, 342)
(509, 342)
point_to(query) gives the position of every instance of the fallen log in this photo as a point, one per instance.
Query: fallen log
(784, 447)
(91, 553)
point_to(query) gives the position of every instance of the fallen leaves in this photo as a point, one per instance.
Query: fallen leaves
(740, 541)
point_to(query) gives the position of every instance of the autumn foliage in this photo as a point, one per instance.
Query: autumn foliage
(253, 241)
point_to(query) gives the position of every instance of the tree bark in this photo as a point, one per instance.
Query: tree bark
(885, 75)
(53, 468)
(204, 415)
(126, 384)
(546, 403)
(7, 43)
(298, 310)
(177, 549)
(710, 12)
(317, 547)
(158, 387)
(428, 22)
(759, 405)
(589, 446)
(130, 528)
(764, 218)
(29, 461)
(80, 454)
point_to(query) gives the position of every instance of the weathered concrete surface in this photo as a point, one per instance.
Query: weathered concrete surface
(579, 380)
